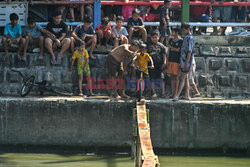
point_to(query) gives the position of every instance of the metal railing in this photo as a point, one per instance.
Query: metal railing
(196, 3)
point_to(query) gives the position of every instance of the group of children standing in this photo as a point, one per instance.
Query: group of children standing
(155, 60)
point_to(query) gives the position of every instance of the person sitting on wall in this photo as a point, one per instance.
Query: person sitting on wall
(136, 26)
(84, 32)
(13, 35)
(104, 32)
(58, 39)
(33, 36)
(119, 32)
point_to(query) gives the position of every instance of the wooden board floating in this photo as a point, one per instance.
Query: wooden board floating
(150, 159)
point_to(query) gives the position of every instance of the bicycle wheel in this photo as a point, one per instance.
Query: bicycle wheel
(140, 90)
(61, 91)
(27, 86)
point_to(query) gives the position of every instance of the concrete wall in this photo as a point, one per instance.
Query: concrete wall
(77, 122)
(223, 69)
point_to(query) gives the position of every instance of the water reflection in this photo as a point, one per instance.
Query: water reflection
(51, 160)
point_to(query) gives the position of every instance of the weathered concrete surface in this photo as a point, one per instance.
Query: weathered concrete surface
(203, 124)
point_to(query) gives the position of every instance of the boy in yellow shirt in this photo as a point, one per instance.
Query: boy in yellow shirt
(140, 61)
(82, 56)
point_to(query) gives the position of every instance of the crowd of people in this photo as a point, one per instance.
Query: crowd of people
(149, 54)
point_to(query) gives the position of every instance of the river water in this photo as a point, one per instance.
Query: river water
(55, 160)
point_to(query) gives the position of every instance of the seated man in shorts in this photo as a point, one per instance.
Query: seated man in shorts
(84, 32)
(13, 35)
(114, 63)
(223, 13)
(58, 39)
(33, 36)
(136, 26)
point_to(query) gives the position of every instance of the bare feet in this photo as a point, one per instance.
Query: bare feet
(19, 57)
(5, 57)
(170, 96)
(91, 56)
(175, 98)
(117, 97)
(186, 97)
(197, 95)
(125, 96)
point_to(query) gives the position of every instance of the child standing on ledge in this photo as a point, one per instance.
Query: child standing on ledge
(82, 56)
(187, 56)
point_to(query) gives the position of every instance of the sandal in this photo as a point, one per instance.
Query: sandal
(59, 60)
(53, 60)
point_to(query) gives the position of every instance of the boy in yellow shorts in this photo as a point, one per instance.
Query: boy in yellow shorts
(140, 61)
(82, 56)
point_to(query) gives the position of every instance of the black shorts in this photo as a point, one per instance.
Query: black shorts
(155, 73)
(138, 75)
(113, 66)
(136, 33)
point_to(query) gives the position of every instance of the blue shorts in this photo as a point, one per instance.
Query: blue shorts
(222, 12)
(238, 14)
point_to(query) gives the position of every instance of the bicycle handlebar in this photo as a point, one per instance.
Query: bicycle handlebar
(149, 67)
(19, 72)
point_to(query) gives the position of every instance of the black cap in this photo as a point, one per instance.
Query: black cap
(143, 46)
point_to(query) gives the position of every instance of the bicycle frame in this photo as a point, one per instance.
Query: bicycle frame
(141, 80)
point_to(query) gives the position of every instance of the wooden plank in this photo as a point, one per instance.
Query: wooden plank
(150, 159)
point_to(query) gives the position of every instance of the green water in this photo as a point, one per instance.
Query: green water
(52, 160)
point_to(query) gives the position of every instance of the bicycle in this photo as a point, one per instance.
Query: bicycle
(29, 82)
(141, 83)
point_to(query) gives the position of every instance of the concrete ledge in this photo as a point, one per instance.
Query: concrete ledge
(55, 121)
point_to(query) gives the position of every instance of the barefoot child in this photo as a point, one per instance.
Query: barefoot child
(173, 60)
(82, 56)
(141, 61)
(186, 60)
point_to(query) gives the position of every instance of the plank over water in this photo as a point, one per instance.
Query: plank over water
(150, 159)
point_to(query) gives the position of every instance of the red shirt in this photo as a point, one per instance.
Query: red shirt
(196, 11)
(104, 30)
